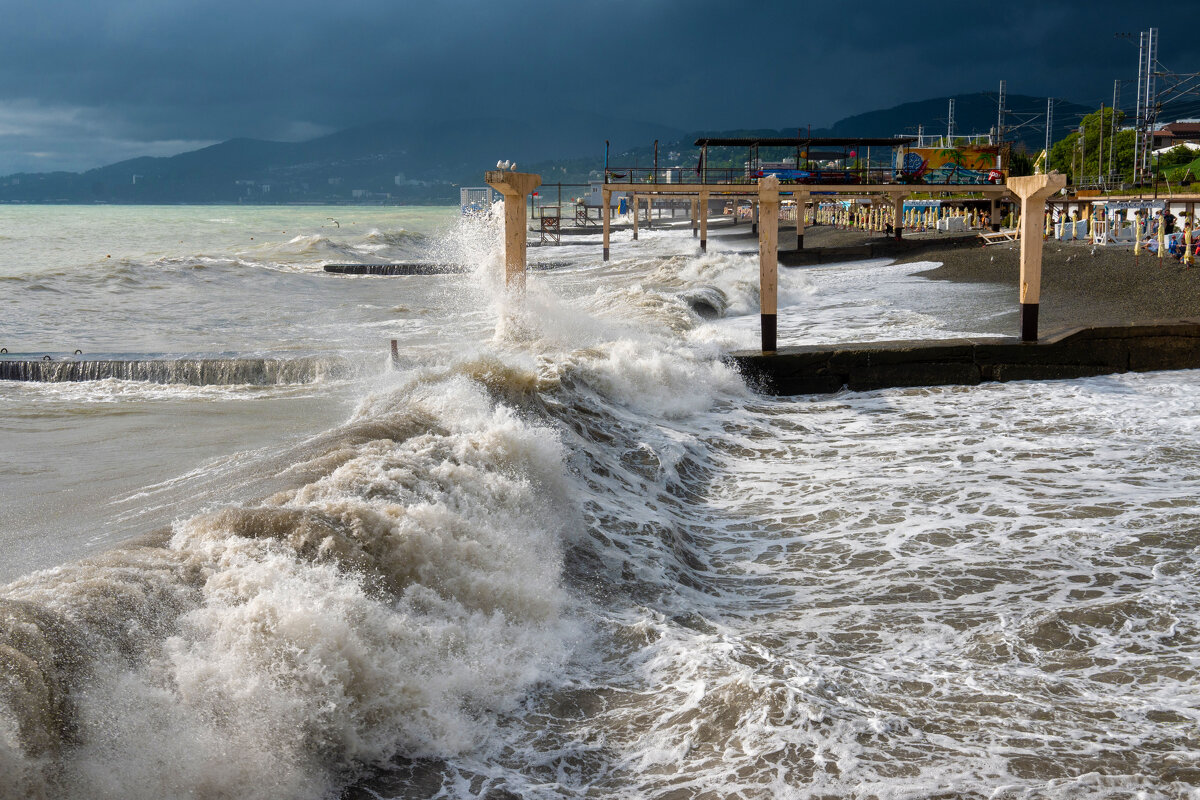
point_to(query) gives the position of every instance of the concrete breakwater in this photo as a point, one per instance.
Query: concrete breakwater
(191, 371)
(1078, 353)
(406, 268)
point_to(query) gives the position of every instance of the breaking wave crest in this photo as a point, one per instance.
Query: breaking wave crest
(276, 649)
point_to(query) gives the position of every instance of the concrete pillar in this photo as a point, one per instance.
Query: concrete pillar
(1032, 190)
(606, 215)
(992, 216)
(704, 222)
(514, 186)
(768, 260)
(694, 218)
(636, 212)
(801, 203)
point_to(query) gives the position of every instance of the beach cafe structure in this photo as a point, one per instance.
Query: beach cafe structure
(886, 170)
(822, 169)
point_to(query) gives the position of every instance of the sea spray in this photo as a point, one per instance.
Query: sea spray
(270, 650)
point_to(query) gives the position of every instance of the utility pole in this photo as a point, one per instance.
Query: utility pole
(1113, 138)
(1049, 128)
(1140, 118)
(950, 125)
(1100, 149)
(1151, 97)
(1000, 116)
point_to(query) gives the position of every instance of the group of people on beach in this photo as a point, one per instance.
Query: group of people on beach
(1175, 242)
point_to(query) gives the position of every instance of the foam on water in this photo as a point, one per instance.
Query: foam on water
(562, 551)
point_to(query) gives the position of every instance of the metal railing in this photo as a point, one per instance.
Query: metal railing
(795, 177)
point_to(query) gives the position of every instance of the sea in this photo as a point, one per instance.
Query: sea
(557, 547)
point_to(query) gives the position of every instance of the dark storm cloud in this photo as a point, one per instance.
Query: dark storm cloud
(84, 83)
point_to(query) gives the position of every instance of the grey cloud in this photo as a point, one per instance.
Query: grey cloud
(150, 72)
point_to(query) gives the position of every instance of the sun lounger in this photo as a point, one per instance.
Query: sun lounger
(999, 237)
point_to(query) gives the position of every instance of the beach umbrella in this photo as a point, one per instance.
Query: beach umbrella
(1188, 257)
(1162, 239)
(1137, 239)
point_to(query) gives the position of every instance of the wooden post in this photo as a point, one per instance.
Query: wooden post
(768, 259)
(1032, 191)
(753, 216)
(514, 186)
(801, 204)
(606, 215)
(636, 211)
(694, 220)
(649, 212)
(704, 222)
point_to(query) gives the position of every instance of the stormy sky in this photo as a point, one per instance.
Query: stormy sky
(86, 83)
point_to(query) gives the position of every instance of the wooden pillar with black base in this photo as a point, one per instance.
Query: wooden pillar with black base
(606, 215)
(898, 214)
(1032, 191)
(768, 259)
(801, 207)
(704, 222)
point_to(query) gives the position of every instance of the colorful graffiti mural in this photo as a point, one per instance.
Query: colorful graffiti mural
(950, 165)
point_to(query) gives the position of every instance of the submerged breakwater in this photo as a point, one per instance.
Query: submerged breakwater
(559, 548)
(190, 371)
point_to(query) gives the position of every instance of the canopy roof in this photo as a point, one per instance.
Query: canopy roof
(775, 141)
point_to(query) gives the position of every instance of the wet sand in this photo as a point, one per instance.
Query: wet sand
(1081, 284)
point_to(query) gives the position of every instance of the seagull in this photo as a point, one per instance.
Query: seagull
(512, 168)
(506, 164)
(500, 165)
(334, 221)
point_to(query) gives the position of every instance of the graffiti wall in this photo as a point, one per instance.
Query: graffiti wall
(972, 164)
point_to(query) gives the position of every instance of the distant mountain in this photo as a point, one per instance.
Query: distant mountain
(413, 160)
(397, 160)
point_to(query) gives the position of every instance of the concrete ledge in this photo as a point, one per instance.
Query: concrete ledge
(1079, 353)
(408, 268)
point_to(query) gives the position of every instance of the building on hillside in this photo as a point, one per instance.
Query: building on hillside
(1176, 133)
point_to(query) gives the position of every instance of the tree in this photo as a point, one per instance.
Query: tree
(1019, 163)
(1176, 157)
(1069, 156)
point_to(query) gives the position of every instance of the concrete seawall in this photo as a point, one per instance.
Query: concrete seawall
(1079, 353)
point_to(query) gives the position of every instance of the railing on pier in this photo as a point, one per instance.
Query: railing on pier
(665, 177)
